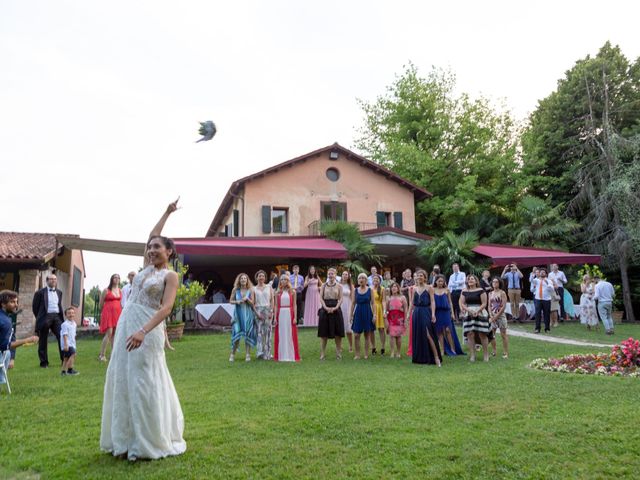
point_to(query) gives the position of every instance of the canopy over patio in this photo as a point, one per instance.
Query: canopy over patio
(282, 247)
(502, 255)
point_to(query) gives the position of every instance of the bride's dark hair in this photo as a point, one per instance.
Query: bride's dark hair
(168, 244)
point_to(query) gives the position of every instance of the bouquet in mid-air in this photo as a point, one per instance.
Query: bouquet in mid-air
(207, 130)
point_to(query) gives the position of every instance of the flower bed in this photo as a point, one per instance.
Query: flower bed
(623, 361)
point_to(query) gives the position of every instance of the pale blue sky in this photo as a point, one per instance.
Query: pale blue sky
(100, 100)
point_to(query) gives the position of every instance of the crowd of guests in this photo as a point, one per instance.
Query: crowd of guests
(376, 308)
(369, 311)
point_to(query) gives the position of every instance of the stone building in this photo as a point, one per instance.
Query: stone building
(25, 261)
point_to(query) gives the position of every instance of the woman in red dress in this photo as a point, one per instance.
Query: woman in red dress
(110, 304)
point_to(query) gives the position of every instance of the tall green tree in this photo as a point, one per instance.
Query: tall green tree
(577, 152)
(460, 149)
(554, 143)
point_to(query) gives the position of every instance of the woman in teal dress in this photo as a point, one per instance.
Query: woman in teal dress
(243, 324)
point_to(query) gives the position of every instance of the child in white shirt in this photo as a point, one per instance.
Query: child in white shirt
(68, 342)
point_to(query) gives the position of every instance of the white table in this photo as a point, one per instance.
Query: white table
(213, 314)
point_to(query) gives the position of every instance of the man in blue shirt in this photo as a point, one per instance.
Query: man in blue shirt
(297, 283)
(513, 278)
(9, 305)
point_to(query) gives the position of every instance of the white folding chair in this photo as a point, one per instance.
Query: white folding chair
(5, 358)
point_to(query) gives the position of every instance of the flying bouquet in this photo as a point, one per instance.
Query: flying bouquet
(207, 130)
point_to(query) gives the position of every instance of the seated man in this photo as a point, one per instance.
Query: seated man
(219, 297)
(8, 306)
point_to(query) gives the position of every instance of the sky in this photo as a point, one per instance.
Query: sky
(100, 100)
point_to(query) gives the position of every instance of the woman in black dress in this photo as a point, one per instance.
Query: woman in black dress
(424, 349)
(330, 321)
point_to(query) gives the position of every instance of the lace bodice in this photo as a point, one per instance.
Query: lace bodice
(148, 287)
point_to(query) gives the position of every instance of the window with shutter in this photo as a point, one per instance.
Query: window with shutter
(382, 219)
(266, 219)
(236, 223)
(397, 220)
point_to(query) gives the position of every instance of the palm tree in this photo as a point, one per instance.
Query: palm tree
(452, 248)
(359, 249)
(535, 223)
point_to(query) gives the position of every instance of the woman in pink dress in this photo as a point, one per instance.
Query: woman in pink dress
(285, 341)
(397, 312)
(312, 304)
(111, 309)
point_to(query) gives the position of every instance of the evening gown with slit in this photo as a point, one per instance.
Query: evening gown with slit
(420, 325)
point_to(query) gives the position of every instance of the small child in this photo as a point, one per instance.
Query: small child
(68, 342)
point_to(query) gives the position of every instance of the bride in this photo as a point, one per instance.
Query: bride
(141, 414)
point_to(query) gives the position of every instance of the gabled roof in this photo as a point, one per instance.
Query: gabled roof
(418, 192)
(19, 247)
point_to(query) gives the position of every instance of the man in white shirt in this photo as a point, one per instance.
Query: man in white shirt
(558, 277)
(543, 290)
(47, 308)
(457, 282)
(126, 290)
(374, 273)
(604, 295)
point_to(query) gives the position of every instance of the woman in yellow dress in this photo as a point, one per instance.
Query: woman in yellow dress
(379, 301)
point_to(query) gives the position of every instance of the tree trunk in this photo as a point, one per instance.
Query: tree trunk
(626, 290)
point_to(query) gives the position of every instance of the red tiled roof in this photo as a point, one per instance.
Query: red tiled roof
(502, 255)
(27, 247)
(294, 247)
(419, 193)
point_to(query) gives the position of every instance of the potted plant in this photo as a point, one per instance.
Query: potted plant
(186, 297)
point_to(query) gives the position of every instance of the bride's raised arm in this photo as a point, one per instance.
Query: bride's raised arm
(157, 230)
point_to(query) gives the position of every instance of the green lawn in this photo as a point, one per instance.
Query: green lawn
(576, 331)
(381, 418)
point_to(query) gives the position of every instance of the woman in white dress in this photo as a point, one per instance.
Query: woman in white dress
(347, 292)
(285, 345)
(141, 413)
(588, 315)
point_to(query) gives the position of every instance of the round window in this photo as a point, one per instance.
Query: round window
(333, 174)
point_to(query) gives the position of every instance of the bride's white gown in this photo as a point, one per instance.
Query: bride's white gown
(141, 414)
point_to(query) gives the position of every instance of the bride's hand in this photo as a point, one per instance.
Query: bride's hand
(134, 341)
(173, 206)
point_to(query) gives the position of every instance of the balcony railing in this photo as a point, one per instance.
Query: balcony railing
(314, 227)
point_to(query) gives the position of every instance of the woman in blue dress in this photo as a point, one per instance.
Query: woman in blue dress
(243, 323)
(362, 314)
(446, 331)
(424, 350)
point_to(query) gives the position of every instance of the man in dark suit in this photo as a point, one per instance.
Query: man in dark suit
(47, 308)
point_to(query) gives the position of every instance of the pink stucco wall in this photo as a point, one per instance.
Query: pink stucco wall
(302, 187)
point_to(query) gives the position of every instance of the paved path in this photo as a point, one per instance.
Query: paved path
(547, 338)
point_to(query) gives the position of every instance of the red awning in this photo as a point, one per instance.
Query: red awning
(502, 255)
(287, 247)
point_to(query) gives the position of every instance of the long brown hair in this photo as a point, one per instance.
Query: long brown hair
(236, 283)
